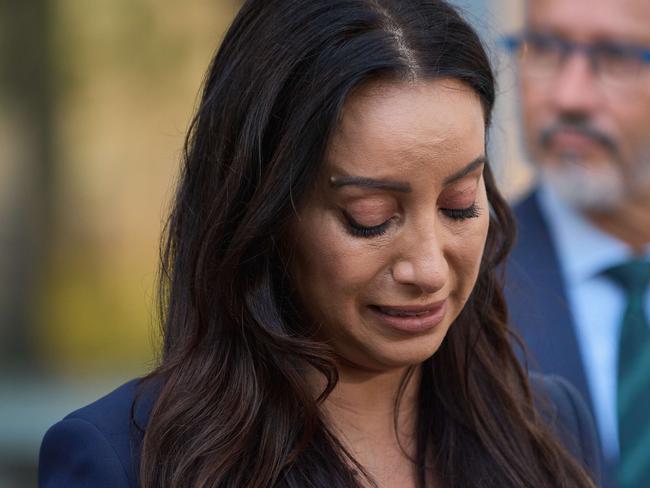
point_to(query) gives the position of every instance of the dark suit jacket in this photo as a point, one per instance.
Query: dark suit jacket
(99, 445)
(538, 306)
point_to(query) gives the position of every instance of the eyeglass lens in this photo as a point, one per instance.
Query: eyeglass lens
(544, 55)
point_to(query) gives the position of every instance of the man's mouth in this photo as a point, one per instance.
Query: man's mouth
(576, 138)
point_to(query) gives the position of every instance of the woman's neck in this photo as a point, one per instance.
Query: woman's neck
(366, 400)
(361, 411)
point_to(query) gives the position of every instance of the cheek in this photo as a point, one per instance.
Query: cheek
(465, 252)
(532, 105)
(633, 128)
(468, 248)
(329, 266)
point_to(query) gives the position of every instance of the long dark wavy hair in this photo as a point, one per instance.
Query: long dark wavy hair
(235, 408)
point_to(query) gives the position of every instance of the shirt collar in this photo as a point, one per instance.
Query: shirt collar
(584, 250)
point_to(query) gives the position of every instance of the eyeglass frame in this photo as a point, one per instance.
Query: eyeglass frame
(566, 48)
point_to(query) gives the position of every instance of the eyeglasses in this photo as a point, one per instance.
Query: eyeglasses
(543, 55)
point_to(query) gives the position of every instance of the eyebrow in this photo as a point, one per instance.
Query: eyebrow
(470, 168)
(400, 186)
(341, 181)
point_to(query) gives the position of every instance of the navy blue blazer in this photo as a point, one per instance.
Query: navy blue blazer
(99, 445)
(539, 309)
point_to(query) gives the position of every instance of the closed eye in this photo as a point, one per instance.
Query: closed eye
(471, 212)
(358, 230)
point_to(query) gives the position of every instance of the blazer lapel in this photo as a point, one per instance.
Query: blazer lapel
(537, 300)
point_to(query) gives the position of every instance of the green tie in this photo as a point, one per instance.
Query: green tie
(633, 391)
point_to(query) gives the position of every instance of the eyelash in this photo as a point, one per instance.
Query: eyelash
(359, 230)
(470, 212)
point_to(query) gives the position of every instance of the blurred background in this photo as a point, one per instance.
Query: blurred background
(95, 99)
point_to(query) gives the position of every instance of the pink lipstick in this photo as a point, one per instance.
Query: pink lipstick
(411, 318)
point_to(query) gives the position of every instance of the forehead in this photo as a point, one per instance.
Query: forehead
(588, 20)
(386, 127)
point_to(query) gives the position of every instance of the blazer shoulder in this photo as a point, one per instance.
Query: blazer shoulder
(564, 410)
(97, 445)
(111, 412)
(527, 203)
(532, 227)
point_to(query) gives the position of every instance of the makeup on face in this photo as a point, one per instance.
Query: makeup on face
(389, 245)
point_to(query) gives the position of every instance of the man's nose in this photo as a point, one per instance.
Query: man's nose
(575, 88)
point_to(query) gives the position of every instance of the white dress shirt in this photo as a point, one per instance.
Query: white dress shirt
(596, 302)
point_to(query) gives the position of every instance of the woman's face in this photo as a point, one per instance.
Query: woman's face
(388, 245)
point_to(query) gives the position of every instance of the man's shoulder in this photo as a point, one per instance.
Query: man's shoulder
(527, 206)
(534, 244)
(564, 410)
(553, 395)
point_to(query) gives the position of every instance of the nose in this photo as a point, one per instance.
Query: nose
(576, 89)
(422, 263)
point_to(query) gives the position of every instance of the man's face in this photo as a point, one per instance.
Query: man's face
(588, 132)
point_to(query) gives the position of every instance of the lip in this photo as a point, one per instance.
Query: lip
(574, 141)
(410, 318)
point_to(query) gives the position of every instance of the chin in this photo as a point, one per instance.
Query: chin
(590, 189)
(410, 352)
